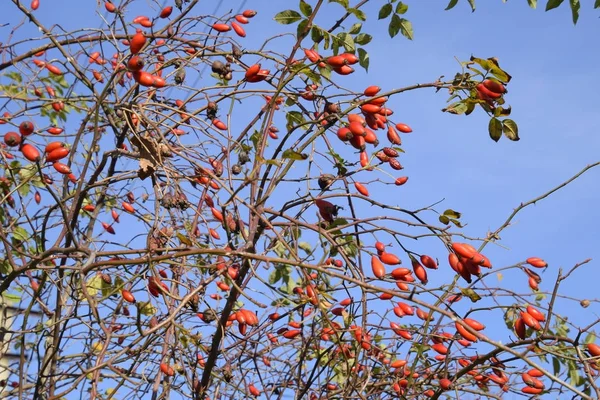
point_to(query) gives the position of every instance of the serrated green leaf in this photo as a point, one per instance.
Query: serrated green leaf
(355, 29)
(363, 58)
(294, 155)
(305, 8)
(451, 4)
(510, 129)
(495, 129)
(401, 8)
(552, 4)
(287, 17)
(363, 39)
(385, 11)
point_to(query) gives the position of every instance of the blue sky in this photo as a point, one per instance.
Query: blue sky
(554, 69)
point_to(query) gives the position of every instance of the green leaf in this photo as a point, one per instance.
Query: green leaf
(553, 4)
(357, 13)
(471, 294)
(502, 112)
(20, 234)
(472, 4)
(495, 129)
(325, 72)
(444, 220)
(451, 4)
(556, 365)
(510, 129)
(347, 41)
(5, 269)
(24, 190)
(452, 214)
(539, 297)
(305, 246)
(363, 58)
(343, 3)
(255, 138)
(107, 289)
(305, 8)
(597, 4)
(590, 338)
(287, 17)
(456, 222)
(93, 285)
(456, 108)
(302, 29)
(573, 375)
(184, 239)
(532, 3)
(385, 11)
(11, 298)
(401, 8)
(15, 76)
(146, 308)
(294, 118)
(294, 155)
(509, 317)
(575, 6)
(275, 276)
(60, 80)
(316, 34)
(363, 39)
(406, 28)
(394, 26)
(354, 29)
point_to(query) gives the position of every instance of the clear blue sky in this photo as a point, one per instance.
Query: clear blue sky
(554, 67)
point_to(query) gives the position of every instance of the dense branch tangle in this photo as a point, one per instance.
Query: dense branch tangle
(232, 272)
